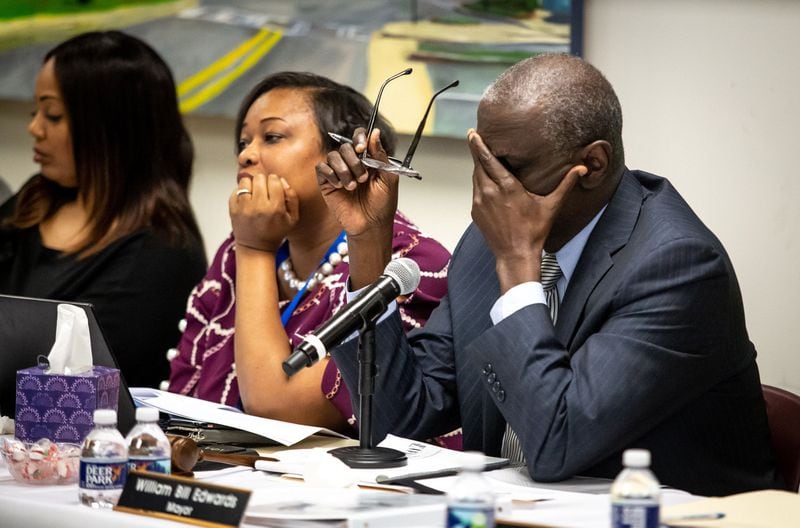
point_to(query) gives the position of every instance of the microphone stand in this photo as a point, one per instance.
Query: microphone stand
(366, 455)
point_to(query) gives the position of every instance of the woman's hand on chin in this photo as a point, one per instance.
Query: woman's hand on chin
(263, 209)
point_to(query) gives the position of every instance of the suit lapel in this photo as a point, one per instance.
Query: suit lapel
(612, 231)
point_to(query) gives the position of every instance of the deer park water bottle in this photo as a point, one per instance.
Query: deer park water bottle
(104, 462)
(148, 446)
(635, 493)
(470, 503)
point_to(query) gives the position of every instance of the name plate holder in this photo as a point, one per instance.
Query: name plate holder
(183, 499)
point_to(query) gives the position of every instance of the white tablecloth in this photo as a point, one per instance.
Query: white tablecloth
(579, 503)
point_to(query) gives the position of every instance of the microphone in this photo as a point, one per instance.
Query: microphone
(400, 277)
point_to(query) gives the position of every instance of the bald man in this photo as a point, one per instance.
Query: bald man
(588, 311)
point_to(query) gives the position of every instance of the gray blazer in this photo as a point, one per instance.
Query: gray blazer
(650, 351)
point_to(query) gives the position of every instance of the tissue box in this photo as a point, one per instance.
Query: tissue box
(60, 406)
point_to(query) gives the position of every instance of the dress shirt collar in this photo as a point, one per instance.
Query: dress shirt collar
(570, 253)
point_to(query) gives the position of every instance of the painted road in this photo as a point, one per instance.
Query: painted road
(219, 49)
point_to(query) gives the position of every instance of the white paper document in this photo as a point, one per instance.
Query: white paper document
(524, 503)
(326, 507)
(204, 411)
(423, 460)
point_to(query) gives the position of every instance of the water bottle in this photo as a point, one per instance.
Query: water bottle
(635, 493)
(104, 462)
(148, 446)
(470, 503)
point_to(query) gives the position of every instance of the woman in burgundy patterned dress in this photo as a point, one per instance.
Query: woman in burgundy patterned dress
(283, 270)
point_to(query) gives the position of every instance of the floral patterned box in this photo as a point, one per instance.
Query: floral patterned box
(60, 406)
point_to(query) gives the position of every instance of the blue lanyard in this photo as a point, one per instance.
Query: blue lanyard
(283, 254)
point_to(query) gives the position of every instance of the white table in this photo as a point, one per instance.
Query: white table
(579, 503)
(31, 506)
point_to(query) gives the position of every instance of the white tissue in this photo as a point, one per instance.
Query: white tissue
(326, 471)
(6, 425)
(72, 350)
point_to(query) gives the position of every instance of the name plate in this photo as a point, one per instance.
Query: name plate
(182, 499)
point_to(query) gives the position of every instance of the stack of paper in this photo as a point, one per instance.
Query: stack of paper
(424, 461)
(204, 411)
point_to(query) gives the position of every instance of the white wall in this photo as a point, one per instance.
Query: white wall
(709, 98)
(708, 91)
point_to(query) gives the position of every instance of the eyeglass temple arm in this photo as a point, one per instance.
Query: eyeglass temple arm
(374, 114)
(418, 134)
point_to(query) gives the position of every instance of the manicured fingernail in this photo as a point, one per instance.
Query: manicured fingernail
(351, 186)
(284, 183)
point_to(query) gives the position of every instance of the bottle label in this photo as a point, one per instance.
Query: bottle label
(466, 516)
(632, 514)
(103, 474)
(156, 465)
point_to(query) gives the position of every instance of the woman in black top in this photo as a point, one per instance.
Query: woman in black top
(108, 220)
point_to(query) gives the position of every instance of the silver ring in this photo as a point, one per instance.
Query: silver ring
(243, 191)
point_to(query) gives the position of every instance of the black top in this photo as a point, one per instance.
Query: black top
(138, 284)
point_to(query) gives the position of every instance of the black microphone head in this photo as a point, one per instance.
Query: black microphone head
(405, 273)
(296, 362)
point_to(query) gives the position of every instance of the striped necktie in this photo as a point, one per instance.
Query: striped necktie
(551, 272)
(550, 275)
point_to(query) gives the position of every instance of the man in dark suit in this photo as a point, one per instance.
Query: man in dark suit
(640, 343)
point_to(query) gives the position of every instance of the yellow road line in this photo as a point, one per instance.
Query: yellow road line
(216, 87)
(220, 64)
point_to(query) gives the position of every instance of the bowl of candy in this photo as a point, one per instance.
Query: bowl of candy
(42, 462)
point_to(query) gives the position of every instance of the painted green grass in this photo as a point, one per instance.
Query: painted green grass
(27, 8)
(456, 19)
(505, 8)
(467, 53)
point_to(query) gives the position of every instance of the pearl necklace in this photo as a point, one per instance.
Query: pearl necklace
(289, 276)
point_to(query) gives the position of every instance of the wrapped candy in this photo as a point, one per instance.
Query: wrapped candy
(42, 462)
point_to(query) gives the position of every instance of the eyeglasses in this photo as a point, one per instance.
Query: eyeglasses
(394, 165)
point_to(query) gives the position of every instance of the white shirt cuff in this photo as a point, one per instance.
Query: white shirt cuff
(517, 298)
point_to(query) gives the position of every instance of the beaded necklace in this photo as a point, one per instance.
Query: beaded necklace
(283, 263)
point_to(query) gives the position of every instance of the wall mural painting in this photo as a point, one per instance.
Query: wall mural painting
(219, 49)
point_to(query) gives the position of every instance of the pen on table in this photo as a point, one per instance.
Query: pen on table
(342, 139)
(379, 487)
(694, 517)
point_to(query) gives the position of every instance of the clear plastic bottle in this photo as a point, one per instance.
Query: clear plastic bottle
(104, 462)
(635, 494)
(471, 503)
(148, 446)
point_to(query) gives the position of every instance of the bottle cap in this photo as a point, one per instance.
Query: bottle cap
(146, 414)
(473, 461)
(105, 417)
(636, 458)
